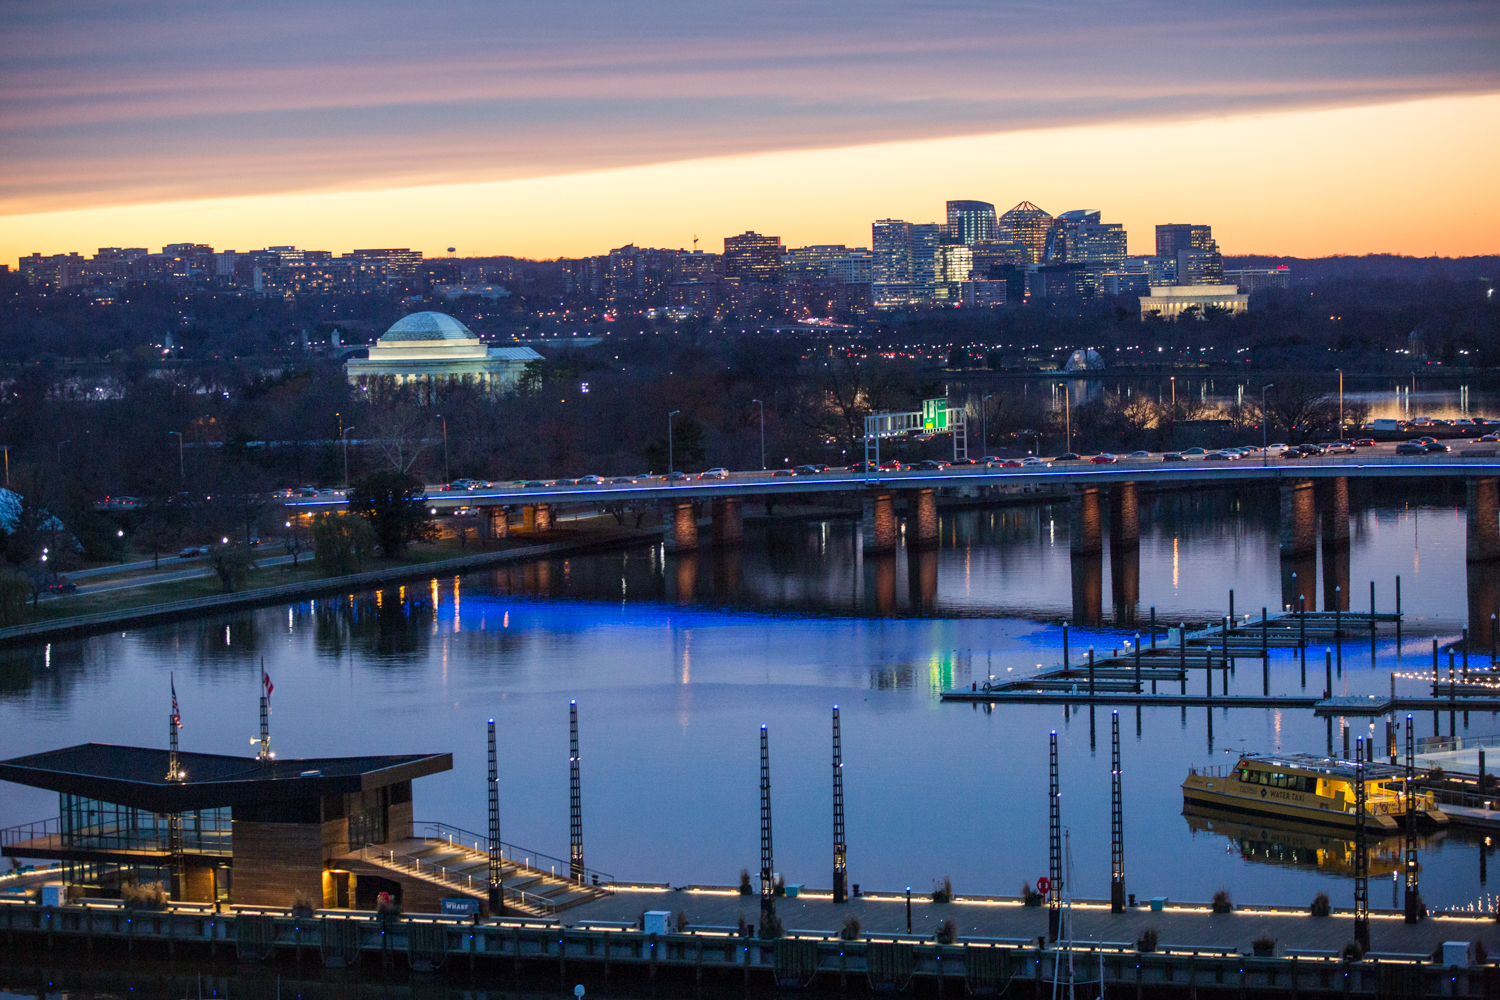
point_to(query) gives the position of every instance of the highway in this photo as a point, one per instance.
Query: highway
(1483, 459)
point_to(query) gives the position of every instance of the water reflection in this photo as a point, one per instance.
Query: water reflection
(1299, 845)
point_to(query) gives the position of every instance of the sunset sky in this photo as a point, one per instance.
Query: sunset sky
(575, 126)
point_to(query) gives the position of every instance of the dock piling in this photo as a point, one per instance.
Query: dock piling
(1328, 674)
(1231, 604)
(1091, 671)
(1182, 653)
(1153, 630)
(575, 806)
(1413, 900)
(497, 898)
(840, 851)
(1054, 847)
(1116, 823)
(1065, 645)
(1138, 663)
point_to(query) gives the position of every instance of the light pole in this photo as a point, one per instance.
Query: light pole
(445, 448)
(1341, 403)
(984, 426)
(59, 449)
(762, 433)
(1067, 417)
(669, 439)
(1173, 380)
(181, 469)
(344, 440)
(1265, 421)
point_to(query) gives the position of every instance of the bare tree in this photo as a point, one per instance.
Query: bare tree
(401, 431)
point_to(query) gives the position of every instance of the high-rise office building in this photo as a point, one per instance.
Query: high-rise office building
(1028, 225)
(1193, 246)
(753, 257)
(971, 222)
(906, 262)
(1078, 237)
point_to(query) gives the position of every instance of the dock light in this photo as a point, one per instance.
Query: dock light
(120, 533)
(226, 541)
(289, 524)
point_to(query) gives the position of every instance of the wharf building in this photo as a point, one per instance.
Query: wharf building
(426, 351)
(251, 831)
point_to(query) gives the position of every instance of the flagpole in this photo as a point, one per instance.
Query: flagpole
(265, 712)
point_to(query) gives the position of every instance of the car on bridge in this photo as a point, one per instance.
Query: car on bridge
(1437, 447)
(1104, 458)
(1172, 456)
(787, 472)
(1068, 456)
(718, 472)
(672, 477)
(807, 470)
(590, 480)
(930, 465)
(1140, 454)
(1370, 442)
(1033, 461)
(467, 484)
(1411, 448)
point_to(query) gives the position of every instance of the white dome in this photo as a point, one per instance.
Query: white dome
(428, 326)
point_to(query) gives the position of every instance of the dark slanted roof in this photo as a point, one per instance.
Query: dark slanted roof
(136, 776)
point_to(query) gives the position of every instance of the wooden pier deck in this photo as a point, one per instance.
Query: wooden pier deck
(1000, 945)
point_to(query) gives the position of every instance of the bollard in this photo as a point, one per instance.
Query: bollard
(1231, 604)
(1182, 653)
(1344, 728)
(1153, 628)
(1328, 673)
(1065, 645)
(1466, 655)
(1265, 640)
(1137, 663)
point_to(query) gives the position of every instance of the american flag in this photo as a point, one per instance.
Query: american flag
(265, 682)
(176, 715)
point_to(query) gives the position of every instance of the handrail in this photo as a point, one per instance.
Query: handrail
(451, 833)
(22, 832)
(406, 862)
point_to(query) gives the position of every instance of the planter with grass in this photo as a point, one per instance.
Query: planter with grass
(1222, 902)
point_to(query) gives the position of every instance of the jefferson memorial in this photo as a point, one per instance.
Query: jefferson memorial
(430, 349)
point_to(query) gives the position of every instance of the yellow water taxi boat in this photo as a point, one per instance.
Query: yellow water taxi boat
(1309, 789)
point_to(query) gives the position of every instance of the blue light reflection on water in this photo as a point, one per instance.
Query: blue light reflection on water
(671, 697)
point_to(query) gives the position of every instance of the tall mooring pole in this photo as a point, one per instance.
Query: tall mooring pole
(840, 850)
(1054, 846)
(1361, 853)
(767, 861)
(1413, 900)
(575, 799)
(1116, 823)
(497, 899)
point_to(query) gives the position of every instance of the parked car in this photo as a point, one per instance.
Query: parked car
(716, 473)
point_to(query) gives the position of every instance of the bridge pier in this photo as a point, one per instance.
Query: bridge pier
(922, 519)
(1085, 535)
(1333, 508)
(878, 524)
(684, 537)
(728, 527)
(1299, 526)
(1124, 516)
(497, 521)
(536, 517)
(1484, 601)
(1484, 519)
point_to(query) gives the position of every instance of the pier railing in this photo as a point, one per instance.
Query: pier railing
(23, 832)
(512, 853)
(433, 872)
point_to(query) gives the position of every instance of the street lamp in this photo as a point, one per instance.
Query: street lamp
(1067, 417)
(445, 448)
(1265, 453)
(59, 449)
(669, 438)
(344, 440)
(1341, 403)
(181, 469)
(984, 426)
(762, 433)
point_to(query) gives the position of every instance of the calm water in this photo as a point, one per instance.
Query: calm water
(676, 663)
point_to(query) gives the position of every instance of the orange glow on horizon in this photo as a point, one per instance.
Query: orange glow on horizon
(1410, 178)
